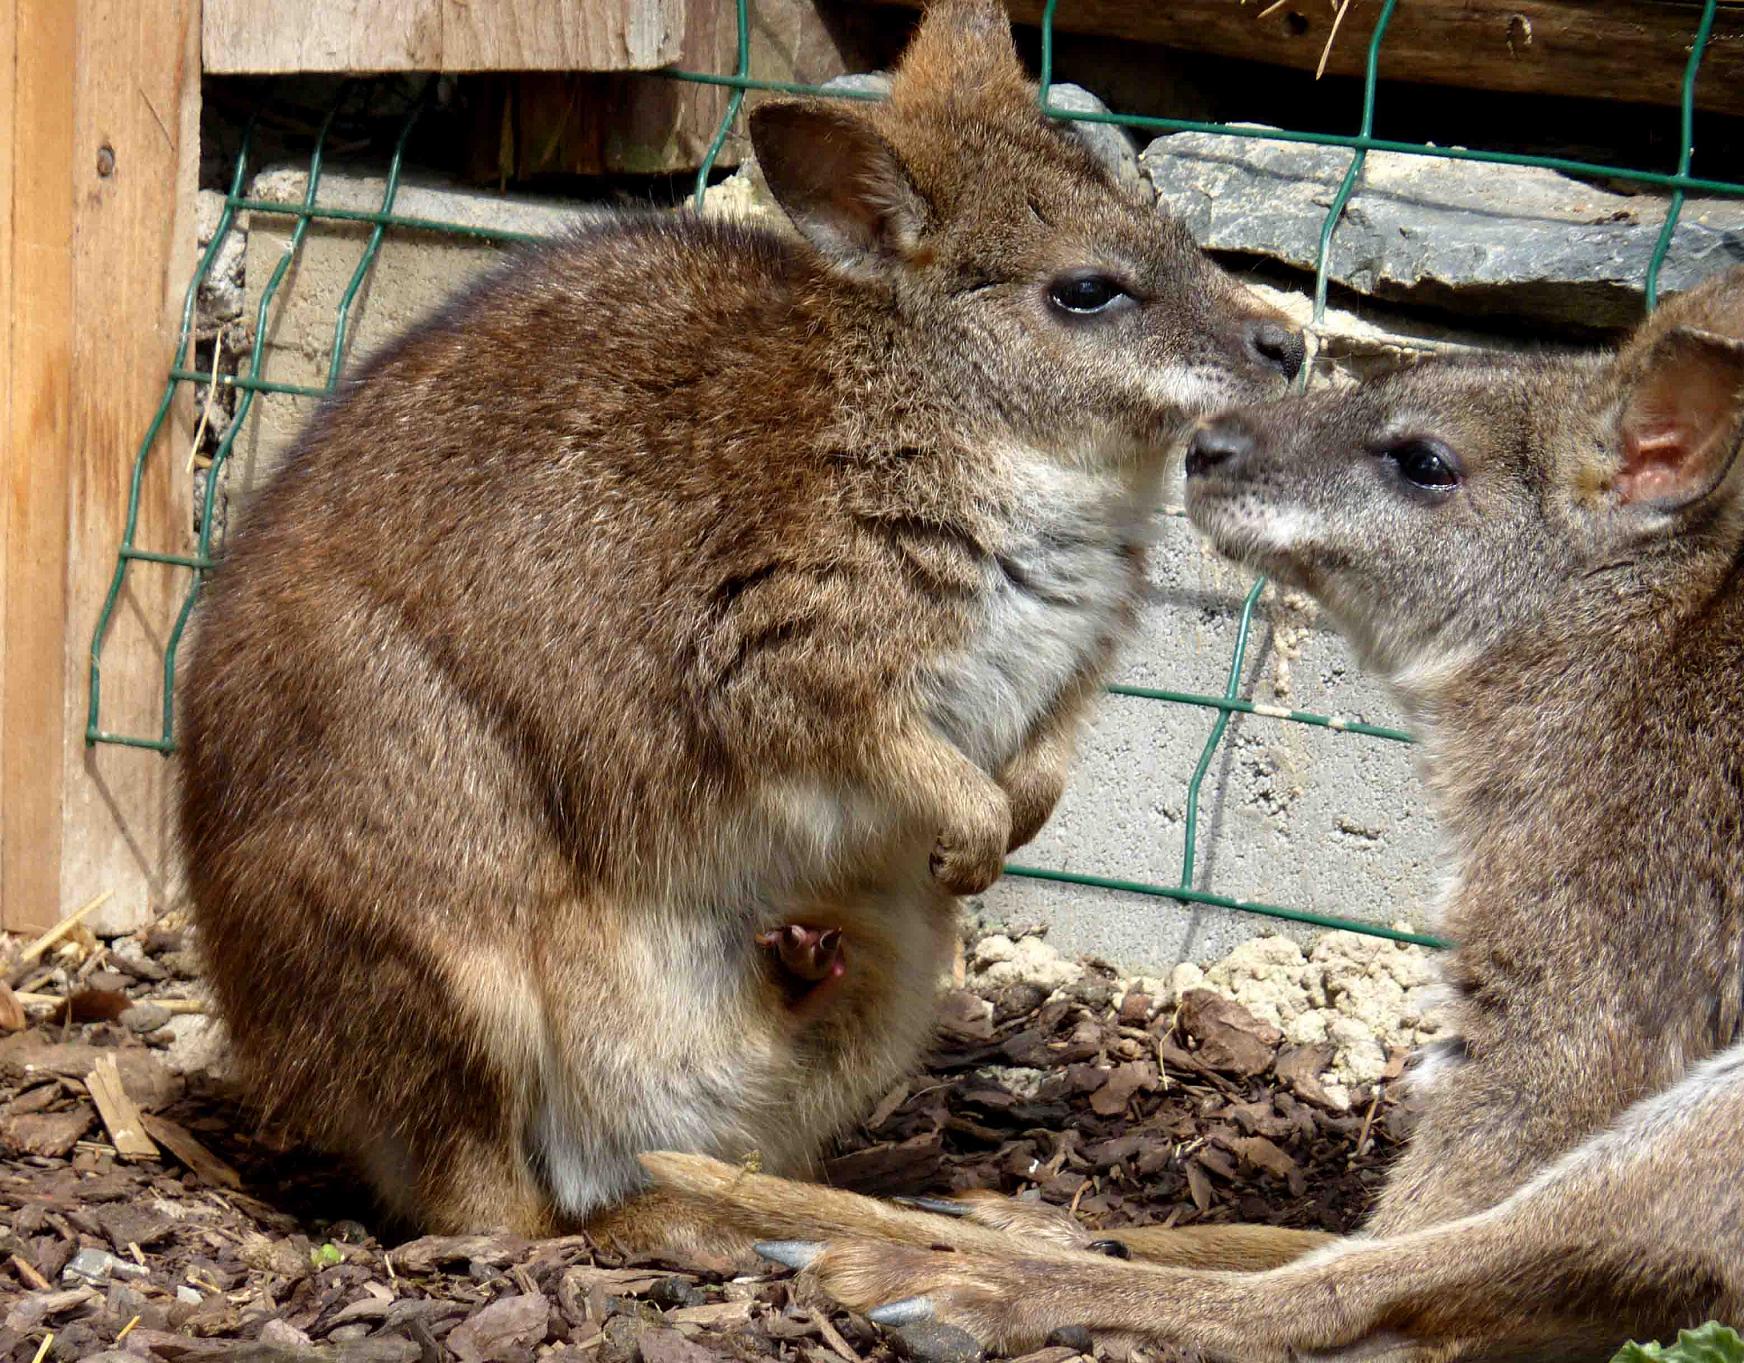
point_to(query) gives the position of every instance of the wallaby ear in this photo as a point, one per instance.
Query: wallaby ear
(963, 47)
(838, 180)
(1682, 419)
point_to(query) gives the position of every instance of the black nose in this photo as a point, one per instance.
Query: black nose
(1277, 347)
(1220, 443)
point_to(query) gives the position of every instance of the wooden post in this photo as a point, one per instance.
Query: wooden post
(99, 102)
(36, 342)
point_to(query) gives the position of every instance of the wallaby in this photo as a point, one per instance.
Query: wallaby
(590, 731)
(1544, 557)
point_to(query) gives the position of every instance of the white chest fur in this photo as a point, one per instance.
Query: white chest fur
(1053, 590)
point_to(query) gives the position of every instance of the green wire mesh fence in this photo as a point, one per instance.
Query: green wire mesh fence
(739, 82)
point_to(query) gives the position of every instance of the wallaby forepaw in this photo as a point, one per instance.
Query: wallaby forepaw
(970, 852)
(1033, 793)
(966, 870)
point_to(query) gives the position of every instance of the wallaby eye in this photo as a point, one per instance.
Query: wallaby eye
(1085, 293)
(1427, 464)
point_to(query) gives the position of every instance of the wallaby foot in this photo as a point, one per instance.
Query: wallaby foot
(765, 1208)
(807, 954)
(475, 1185)
(1599, 1247)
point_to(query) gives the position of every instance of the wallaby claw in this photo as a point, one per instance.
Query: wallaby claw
(791, 1253)
(937, 1205)
(908, 1311)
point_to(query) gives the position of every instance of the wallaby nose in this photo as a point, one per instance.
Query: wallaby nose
(1277, 347)
(1214, 445)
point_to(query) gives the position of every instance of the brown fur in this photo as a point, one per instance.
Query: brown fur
(624, 613)
(1567, 626)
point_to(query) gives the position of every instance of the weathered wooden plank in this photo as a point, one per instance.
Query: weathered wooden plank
(268, 36)
(1632, 50)
(133, 177)
(36, 328)
(635, 124)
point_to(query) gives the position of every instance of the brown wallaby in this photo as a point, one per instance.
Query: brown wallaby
(589, 732)
(1545, 557)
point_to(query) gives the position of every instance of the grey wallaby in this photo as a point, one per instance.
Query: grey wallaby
(1543, 556)
(590, 731)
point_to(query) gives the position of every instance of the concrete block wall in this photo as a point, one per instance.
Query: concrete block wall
(1290, 815)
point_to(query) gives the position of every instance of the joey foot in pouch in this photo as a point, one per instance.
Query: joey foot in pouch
(807, 960)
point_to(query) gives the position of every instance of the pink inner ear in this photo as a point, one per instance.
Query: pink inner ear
(1654, 460)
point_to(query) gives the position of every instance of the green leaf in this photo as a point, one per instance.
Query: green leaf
(1713, 1343)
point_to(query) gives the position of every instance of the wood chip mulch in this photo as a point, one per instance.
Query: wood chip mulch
(230, 1242)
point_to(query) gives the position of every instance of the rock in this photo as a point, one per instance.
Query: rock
(930, 1342)
(506, 1330)
(1360, 1057)
(1092, 988)
(998, 960)
(672, 1292)
(1183, 977)
(1111, 144)
(145, 1017)
(97, 1267)
(198, 1045)
(1230, 1038)
(221, 294)
(1511, 240)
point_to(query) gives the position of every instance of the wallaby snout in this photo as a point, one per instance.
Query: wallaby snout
(1275, 346)
(1218, 446)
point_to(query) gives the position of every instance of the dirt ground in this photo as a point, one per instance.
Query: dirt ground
(226, 1241)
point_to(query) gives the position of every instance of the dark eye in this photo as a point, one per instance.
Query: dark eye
(1427, 464)
(1085, 293)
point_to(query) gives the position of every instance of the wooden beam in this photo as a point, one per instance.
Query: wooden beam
(536, 124)
(1632, 50)
(262, 37)
(36, 329)
(133, 181)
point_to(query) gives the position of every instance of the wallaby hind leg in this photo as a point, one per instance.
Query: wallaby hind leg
(1636, 1233)
(727, 1200)
(1238, 1247)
